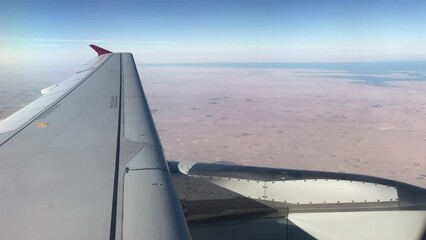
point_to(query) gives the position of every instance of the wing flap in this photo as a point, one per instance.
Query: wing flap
(151, 209)
(392, 225)
(220, 198)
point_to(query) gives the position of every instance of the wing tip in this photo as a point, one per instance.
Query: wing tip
(100, 51)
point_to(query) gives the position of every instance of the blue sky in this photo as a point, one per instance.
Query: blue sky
(187, 31)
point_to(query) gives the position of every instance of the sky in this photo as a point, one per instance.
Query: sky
(201, 31)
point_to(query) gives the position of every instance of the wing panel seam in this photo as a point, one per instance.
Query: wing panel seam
(113, 227)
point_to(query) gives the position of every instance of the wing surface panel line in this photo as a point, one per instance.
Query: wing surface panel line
(117, 160)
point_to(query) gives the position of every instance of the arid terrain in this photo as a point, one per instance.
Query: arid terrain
(285, 118)
(290, 119)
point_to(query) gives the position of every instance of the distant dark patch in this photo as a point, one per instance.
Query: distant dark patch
(212, 102)
(279, 131)
(154, 111)
(243, 135)
(248, 100)
(423, 175)
(376, 105)
(214, 99)
(340, 116)
(421, 178)
(194, 108)
(208, 115)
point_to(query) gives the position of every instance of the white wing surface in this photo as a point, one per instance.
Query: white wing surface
(84, 162)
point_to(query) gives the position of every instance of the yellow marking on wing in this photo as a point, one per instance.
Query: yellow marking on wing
(42, 124)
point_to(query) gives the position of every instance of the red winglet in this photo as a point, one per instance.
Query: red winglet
(99, 50)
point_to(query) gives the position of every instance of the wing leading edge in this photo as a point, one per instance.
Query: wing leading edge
(85, 162)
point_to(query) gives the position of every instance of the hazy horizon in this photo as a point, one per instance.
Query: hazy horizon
(215, 31)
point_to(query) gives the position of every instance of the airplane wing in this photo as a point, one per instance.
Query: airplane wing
(84, 161)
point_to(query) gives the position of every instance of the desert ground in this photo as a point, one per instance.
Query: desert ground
(284, 118)
(290, 119)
